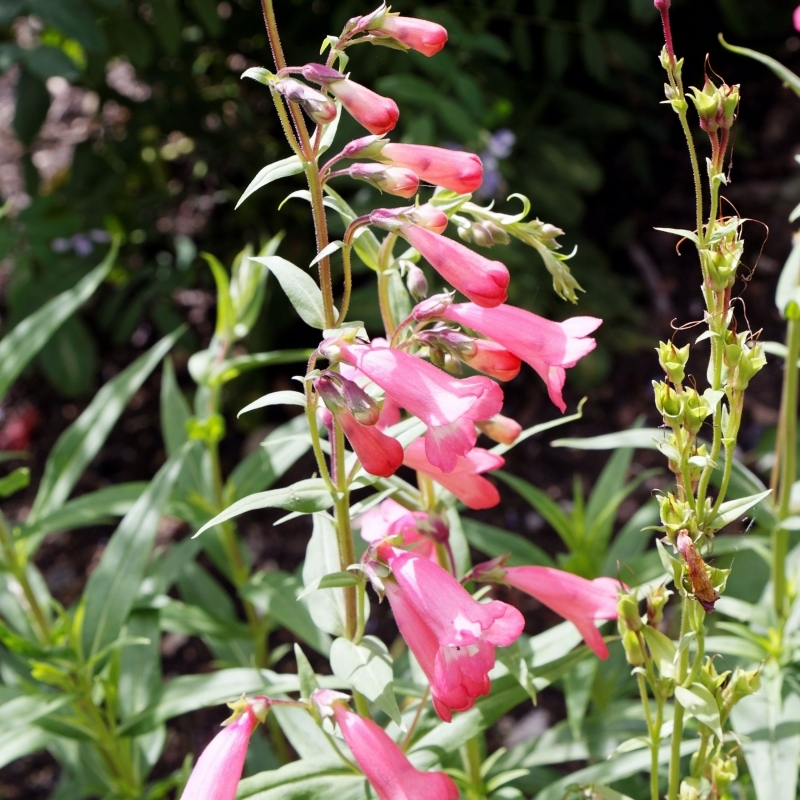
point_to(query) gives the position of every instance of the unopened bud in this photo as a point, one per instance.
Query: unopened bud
(456, 344)
(361, 405)
(708, 105)
(656, 601)
(426, 216)
(724, 772)
(628, 612)
(662, 5)
(416, 281)
(365, 147)
(433, 307)
(730, 103)
(674, 514)
(394, 180)
(319, 107)
(673, 360)
(696, 409)
(668, 402)
(490, 571)
(690, 789)
(503, 430)
(486, 234)
(633, 649)
(319, 73)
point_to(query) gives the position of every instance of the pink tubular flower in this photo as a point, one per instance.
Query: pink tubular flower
(456, 170)
(376, 113)
(386, 767)
(217, 772)
(797, 18)
(425, 37)
(501, 429)
(394, 180)
(465, 480)
(577, 599)
(549, 347)
(494, 360)
(451, 634)
(448, 406)
(483, 281)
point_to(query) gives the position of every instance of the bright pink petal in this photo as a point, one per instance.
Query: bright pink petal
(577, 599)
(456, 170)
(482, 280)
(797, 19)
(378, 453)
(421, 35)
(219, 768)
(494, 360)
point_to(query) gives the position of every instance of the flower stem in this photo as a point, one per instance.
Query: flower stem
(677, 729)
(788, 464)
(653, 735)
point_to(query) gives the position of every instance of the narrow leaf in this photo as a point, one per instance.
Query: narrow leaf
(284, 398)
(300, 288)
(272, 172)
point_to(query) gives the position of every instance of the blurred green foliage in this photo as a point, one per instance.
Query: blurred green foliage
(131, 118)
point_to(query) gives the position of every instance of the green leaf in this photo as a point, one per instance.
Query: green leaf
(80, 443)
(69, 360)
(367, 667)
(272, 172)
(578, 684)
(546, 506)
(300, 288)
(14, 481)
(500, 449)
(47, 62)
(700, 703)
(514, 661)
(19, 736)
(226, 318)
(305, 673)
(662, 649)
(306, 496)
(72, 18)
(637, 438)
(279, 451)
(233, 367)
(275, 594)
(190, 692)
(283, 398)
(768, 726)
(731, 510)
(95, 508)
(27, 339)
(496, 542)
(788, 288)
(140, 664)
(326, 606)
(784, 73)
(308, 779)
(33, 103)
(113, 586)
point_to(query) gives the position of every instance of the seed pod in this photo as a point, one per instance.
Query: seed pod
(701, 585)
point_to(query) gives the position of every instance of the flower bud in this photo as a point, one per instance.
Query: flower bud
(741, 684)
(394, 180)
(723, 773)
(428, 217)
(674, 514)
(673, 360)
(503, 430)
(365, 147)
(628, 613)
(319, 107)
(743, 361)
(493, 571)
(722, 262)
(656, 601)
(690, 789)
(696, 409)
(361, 405)
(416, 281)
(668, 402)
(433, 307)
(730, 103)
(707, 102)
(702, 587)
(421, 35)
(633, 649)
(454, 343)
(485, 234)
(662, 5)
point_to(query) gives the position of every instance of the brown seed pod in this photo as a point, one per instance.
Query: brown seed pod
(701, 585)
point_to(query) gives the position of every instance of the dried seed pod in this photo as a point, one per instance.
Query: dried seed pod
(701, 584)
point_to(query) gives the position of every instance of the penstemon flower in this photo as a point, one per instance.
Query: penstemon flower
(549, 347)
(451, 634)
(390, 773)
(465, 480)
(448, 406)
(421, 35)
(390, 519)
(376, 113)
(217, 772)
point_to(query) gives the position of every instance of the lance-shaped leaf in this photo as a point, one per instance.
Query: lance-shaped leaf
(282, 398)
(732, 510)
(80, 443)
(784, 73)
(234, 367)
(31, 335)
(306, 496)
(272, 172)
(300, 288)
(113, 586)
(700, 703)
(367, 667)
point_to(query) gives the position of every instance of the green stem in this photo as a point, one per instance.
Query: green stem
(471, 756)
(677, 729)
(654, 743)
(384, 257)
(788, 466)
(347, 254)
(413, 726)
(698, 186)
(347, 556)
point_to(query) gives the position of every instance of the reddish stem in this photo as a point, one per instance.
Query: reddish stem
(663, 7)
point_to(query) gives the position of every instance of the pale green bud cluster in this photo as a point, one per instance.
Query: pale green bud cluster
(743, 359)
(688, 409)
(721, 263)
(716, 105)
(673, 360)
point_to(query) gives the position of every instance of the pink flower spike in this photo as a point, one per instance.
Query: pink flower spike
(217, 772)
(465, 481)
(549, 347)
(494, 360)
(451, 634)
(448, 406)
(797, 18)
(483, 281)
(456, 170)
(386, 767)
(425, 37)
(577, 599)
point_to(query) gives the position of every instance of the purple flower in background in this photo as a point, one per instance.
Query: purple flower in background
(81, 243)
(498, 148)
